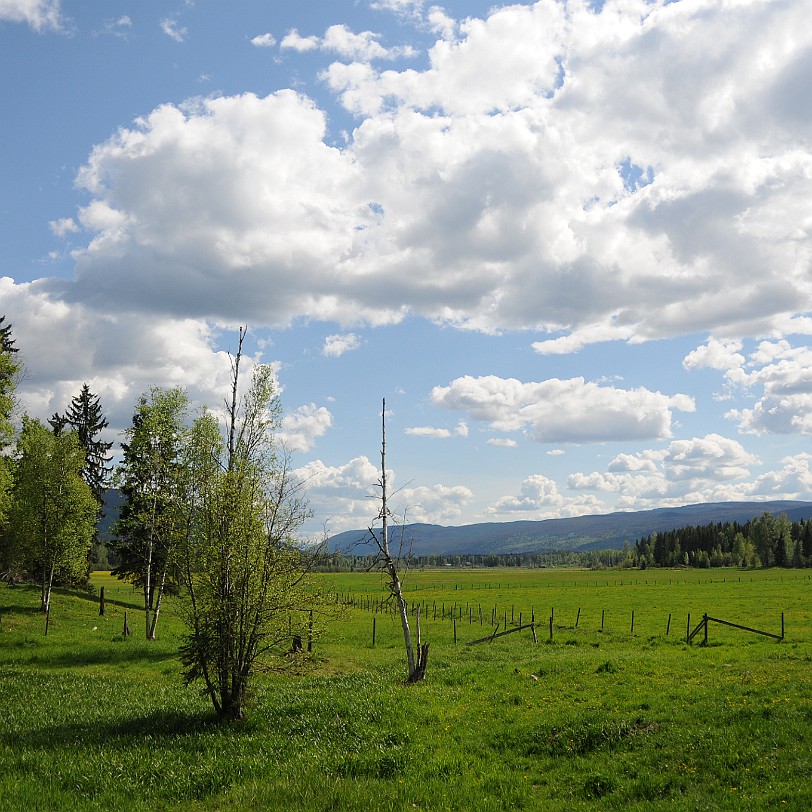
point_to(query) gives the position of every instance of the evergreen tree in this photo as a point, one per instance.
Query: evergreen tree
(9, 370)
(84, 415)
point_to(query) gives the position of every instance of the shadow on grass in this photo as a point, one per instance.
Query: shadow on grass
(167, 725)
(116, 654)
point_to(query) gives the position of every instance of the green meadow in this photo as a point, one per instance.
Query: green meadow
(601, 716)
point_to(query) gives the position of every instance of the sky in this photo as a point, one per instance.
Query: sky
(569, 242)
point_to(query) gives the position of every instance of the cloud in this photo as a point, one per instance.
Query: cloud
(264, 41)
(295, 42)
(712, 468)
(499, 188)
(572, 411)
(173, 29)
(63, 226)
(300, 429)
(120, 356)
(120, 27)
(503, 442)
(41, 15)
(337, 345)
(781, 373)
(716, 354)
(435, 504)
(341, 40)
(427, 431)
(539, 498)
(346, 493)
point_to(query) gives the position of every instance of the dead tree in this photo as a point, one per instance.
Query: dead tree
(417, 664)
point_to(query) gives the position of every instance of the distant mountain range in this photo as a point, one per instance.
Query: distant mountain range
(579, 534)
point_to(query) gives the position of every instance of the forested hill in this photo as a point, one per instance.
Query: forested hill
(582, 533)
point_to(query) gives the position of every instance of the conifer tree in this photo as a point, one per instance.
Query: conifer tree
(84, 416)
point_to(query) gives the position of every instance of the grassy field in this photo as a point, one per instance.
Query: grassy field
(594, 719)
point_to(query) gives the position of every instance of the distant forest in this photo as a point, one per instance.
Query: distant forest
(767, 541)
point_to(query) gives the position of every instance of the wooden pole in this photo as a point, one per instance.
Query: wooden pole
(632, 621)
(455, 631)
(101, 602)
(782, 625)
(578, 617)
(310, 632)
(688, 633)
(668, 627)
(551, 627)
(603, 615)
(373, 632)
(705, 618)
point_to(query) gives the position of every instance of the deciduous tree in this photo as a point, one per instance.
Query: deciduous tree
(53, 513)
(242, 569)
(151, 478)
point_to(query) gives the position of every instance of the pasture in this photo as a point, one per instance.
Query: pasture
(596, 718)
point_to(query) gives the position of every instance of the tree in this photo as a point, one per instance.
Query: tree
(390, 564)
(84, 415)
(243, 572)
(10, 368)
(53, 513)
(150, 477)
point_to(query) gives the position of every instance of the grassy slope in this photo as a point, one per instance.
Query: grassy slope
(92, 721)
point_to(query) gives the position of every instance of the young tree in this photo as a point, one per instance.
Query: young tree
(84, 415)
(416, 662)
(150, 477)
(53, 513)
(242, 569)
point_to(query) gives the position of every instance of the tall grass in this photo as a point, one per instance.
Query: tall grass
(592, 720)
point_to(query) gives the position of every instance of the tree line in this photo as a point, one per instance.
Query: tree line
(766, 541)
(211, 512)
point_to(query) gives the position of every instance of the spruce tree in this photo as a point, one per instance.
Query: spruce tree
(84, 416)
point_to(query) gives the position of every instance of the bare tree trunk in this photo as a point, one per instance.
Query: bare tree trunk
(417, 666)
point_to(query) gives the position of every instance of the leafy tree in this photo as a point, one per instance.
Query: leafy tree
(242, 570)
(150, 478)
(84, 415)
(53, 514)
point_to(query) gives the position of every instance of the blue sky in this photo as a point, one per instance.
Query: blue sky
(569, 242)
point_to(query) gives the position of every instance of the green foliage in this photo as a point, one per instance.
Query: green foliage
(769, 540)
(9, 370)
(242, 572)
(84, 416)
(151, 520)
(53, 513)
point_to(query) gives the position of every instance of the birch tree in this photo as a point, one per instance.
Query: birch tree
(151, 478)
(53, 513)
(243, 573)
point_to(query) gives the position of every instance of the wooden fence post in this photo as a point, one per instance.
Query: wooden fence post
(688, 633)
(126, 631)
(603, 616)
(578, 617)
(310, 631)
(455, 631)
(373, 632)
(668, 627)
(101, 602)
(551, 627)
(632, 621)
